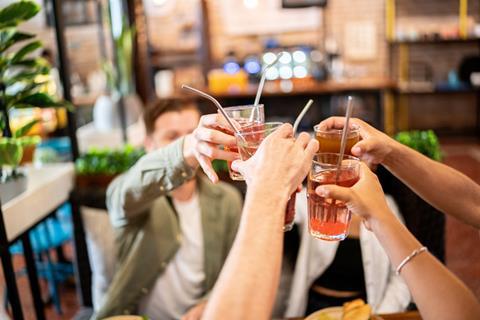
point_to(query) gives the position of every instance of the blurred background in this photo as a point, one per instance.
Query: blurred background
(413, 68)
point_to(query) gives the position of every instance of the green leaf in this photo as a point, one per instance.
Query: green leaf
(11, 36)
(29, 141)
(11, 152)
(25, 50)
(41, 100)
(15, 13)
(22, 131)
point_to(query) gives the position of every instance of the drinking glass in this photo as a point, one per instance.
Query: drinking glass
(330, 139)
(248, 117)
(248, 143)
(329, 219)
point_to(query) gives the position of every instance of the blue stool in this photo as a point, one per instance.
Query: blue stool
(50, 234)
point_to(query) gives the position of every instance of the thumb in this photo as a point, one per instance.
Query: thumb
(238, 165)
(334, 192)
(362, 147)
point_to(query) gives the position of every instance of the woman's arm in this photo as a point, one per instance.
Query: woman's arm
(443, 187)
(249, 279)
(436, 291)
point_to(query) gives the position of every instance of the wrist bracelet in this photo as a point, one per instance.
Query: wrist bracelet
(415, 253)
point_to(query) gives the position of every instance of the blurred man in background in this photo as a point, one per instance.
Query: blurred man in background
(174, 227)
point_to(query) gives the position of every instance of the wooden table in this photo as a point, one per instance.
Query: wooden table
(48, 188)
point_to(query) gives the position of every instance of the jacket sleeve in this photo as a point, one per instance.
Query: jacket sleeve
(155, 174)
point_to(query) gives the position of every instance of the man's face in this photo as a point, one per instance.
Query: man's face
(170, 126)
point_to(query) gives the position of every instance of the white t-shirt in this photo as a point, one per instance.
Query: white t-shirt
(180, 286)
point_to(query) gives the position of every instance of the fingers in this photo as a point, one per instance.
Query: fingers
(212, 151)
(335, 192)
(302, 140)
(363, 147)
(312, 148)
(239, 166)
(209, 120)
(284, 131)
(206, 165)
(214, 136)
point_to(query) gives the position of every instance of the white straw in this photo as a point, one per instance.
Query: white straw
(301, 115)
(261, 85)
(218, 105)
(262, 79)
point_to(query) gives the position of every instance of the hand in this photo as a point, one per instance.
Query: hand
(280, 163)
(365, 198)
(374, 147)
(196, 312)
(203, 145)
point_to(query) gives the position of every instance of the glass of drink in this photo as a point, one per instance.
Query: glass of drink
(248, 117)
(329, 219)
(330, 139)
(248, 143)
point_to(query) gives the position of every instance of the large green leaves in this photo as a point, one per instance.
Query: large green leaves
(22, 131)
(41, 100)
(25, 50)
(13, 14)
(10, 36)
(11, 152)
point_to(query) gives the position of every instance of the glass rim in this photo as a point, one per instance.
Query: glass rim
(355, 162)
(354, 128)
(243, 107)
(274, 125)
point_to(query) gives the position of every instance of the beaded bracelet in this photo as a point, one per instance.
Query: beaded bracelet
(415, 253)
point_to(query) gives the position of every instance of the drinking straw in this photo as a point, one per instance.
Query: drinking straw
(262, 84)
(301, 115)
(343, 142)
(262, 79)
(219, 107)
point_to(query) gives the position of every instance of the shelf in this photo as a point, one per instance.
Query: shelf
(317, 88)
(437, 91)
(435, 41)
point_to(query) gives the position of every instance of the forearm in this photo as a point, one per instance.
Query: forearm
(248, 282)
(436, 291)
(443, 187)
(152, 176)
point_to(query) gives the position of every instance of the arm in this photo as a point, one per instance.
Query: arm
(433, 180)
(436, 291)
(155, 174)
(163, 170)
(248, 282)
(430, 179)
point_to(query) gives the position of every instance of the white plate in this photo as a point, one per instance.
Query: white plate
(333, 313)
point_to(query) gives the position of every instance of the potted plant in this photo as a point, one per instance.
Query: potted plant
(98, 167)
(21, 86)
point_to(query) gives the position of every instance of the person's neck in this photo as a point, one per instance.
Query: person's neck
(185, 192)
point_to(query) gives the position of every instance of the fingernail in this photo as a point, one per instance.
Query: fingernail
(321, 191)
(356, 150)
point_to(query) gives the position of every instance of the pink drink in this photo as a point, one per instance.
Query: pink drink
(247, 148)
(329, 219)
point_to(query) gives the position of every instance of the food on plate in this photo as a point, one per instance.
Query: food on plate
(356, 310)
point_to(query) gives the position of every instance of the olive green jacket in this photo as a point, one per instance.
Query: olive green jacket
(148, 232)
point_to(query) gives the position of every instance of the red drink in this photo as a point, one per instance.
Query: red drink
(329, 219)
(245, 126)
(247, 146)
